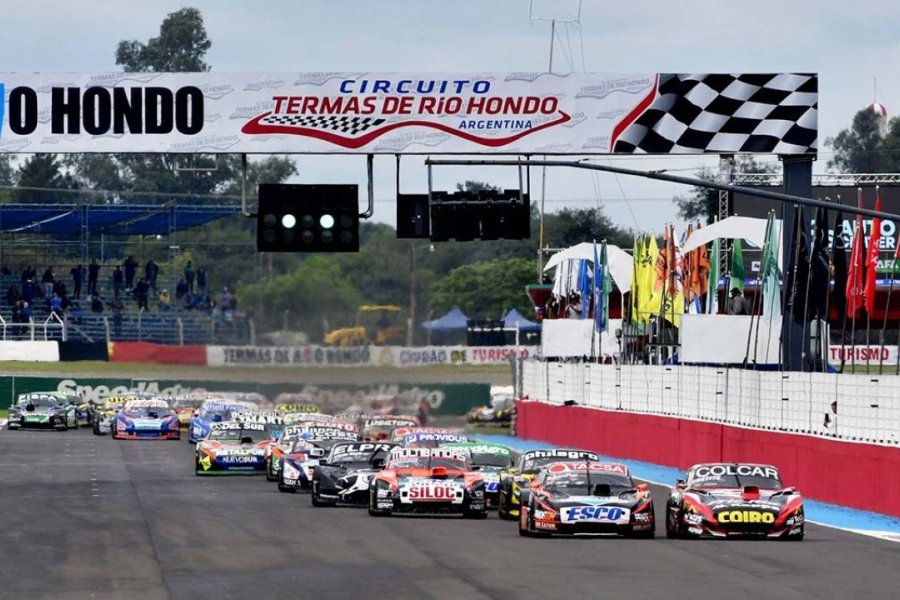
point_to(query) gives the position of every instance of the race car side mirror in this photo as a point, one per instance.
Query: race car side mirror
(680, 485)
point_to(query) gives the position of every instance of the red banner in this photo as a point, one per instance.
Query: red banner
(145, 352)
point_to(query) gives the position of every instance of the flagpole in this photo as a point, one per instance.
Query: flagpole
(753, 308)
(790, 292)
(776, 257)
(828, 293)
(810, 252)
(887, 308)
(760, 289)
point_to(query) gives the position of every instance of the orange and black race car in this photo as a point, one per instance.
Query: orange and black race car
(517, 479)
(586, 497)
(379, 429)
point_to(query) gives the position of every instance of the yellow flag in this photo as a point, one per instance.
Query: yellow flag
(650, 298)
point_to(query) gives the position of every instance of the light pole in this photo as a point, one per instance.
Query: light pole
(411, 320)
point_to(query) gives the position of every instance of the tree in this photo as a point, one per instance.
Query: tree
(180, 47)
(856, 150)
(486, 289)
(572, 226)
(7, 177)
(703, 203)
(43, 171)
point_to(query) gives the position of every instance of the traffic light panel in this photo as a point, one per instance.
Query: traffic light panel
(465, 216)
(307, 218)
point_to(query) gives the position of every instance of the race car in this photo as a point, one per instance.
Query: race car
(213, 411)
(185, 407)
(296, 407)
(315, 440)
(42, 410)
(343, 477)
(232, 447)
(518, 478)
(379, 428)
(276, 450)
(723, 500)
(427, 439)
(399, 433)
(293, 418)
(586, 497)
(146, 420)
(489, 460)
(427, 480)
(103, 414)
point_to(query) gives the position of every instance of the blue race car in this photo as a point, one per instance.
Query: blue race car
(146, 420)
(210, 412)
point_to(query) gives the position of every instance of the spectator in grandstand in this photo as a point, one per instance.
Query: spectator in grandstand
(181, 289)
(141, 291)
(28, 290)
(27, 311)
(226, 301)
(59, 288)
(201, 280)
(189, 276)
(165, 300)
(18, 315)
(93, 276)
(26, 273)
(118, 280)
(96, 304)
(574, 309)
(56, 305)
(47, 279)
(118, 312)
(738, 305)
(77, 280)
(12, 295)
(151, 272)
(130, 269)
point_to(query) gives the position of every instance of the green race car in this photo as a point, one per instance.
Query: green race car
(42, 410)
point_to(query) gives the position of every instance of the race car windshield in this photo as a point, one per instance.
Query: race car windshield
(152, 412)
(725, 482)
(40, 401)
(533, 465)
(578, 483)
(487, 459)
(188, 403)
(231, 435)
(427, 462)
(353, 459)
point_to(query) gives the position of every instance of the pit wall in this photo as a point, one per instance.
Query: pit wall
(845, 453)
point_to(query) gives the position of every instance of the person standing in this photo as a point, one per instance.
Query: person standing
(130, 270)
(93, 276)
(189, 276)
(47, 280)
(118, 313)
(118, 278)
(151, 271)
(77, 279)
(201, 280)
(141, 291)
(738, 305)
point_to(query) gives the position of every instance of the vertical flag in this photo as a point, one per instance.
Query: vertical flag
(599, 304)
(839, 264)
(636, 282)
(584, 287)
(799, 275)
(817, 299)
(685, 265)
(605, 288)
(769, 271)
(712, 286)
(737, 268)
(655, 277)
(673, 299)
(872, 257)
(855, 275)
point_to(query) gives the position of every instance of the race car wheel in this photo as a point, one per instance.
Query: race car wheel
(503, 506)
(673, 524)
(314, 495)
(526, 524)
(373, 511)
(795, 538)
(270, 476)
(286, 489)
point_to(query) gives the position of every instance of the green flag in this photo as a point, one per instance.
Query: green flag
(737, 267)
(712, 293)
(769, 271)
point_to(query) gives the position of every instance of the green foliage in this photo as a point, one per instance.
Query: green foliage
(703, 203)
(486, 289)
(43, 171)
(571, 226)
(317, 294)
(180, 47)
(858, 149)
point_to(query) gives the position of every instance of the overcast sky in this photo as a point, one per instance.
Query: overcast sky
(849, 44)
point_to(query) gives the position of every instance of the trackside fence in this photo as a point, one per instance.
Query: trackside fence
(850, 407)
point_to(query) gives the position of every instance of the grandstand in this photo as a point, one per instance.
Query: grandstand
(66, 234)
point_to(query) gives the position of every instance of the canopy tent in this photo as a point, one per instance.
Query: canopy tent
(515, 320)
(749, 229)
(453, 320)
(621, 264)
(107, 219)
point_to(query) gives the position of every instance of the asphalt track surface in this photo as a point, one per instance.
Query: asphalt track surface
(90, 517)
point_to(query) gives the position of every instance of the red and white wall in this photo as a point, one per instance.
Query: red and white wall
(848, 453)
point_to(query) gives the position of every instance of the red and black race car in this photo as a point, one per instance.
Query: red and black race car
(721, 500)
(586, 497)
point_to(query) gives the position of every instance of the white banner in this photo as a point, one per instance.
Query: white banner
(29, 351)
(366, 356)
(864, 355)
(575, 338)
(473, 113)
(730, 339)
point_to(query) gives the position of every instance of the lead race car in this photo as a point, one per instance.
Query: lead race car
(232, 447)
(42, 410)
(586, 497)
(146, 420)
(343, 477)
(427, 480)
(517, 478)
(722, 500)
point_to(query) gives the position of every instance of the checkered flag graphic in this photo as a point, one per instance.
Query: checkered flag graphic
(766, 113)
(345, 125)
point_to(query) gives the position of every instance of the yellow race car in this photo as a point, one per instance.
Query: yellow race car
(103, 414)
(517, 479)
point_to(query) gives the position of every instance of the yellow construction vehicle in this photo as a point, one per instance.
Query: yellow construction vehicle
(375, 324)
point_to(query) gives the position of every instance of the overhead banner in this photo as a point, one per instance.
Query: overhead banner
(392, 113)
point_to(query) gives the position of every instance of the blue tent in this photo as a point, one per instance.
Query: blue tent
(453, 320)
(515, 319)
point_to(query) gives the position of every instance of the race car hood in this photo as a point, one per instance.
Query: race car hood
(735, 508)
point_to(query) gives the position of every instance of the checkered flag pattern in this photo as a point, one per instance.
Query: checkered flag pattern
(345, 125)
(765, 113)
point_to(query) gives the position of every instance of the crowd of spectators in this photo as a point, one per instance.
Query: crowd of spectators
(128, 281)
